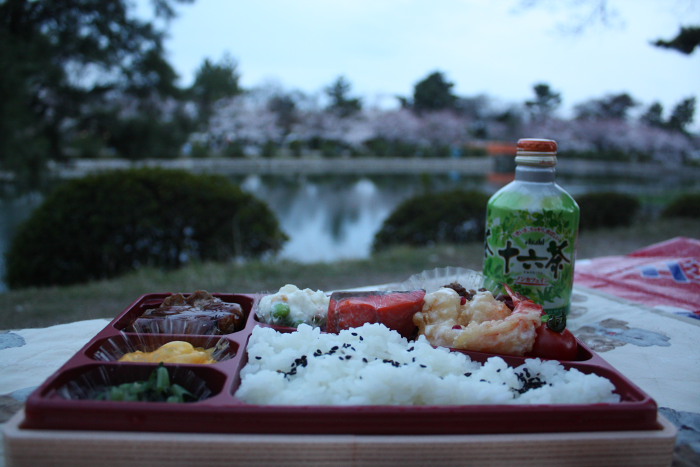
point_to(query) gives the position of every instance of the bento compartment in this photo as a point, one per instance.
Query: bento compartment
(156, 348)
(372, 365)
(139, 383)
(198, 313)
(125, 397)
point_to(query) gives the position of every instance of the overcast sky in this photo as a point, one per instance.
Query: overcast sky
(497, 48)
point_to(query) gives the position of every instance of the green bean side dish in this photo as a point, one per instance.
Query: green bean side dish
(156, 389)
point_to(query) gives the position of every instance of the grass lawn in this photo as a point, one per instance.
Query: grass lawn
(39, 307)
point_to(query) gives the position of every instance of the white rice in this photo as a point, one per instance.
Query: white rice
(373, 365)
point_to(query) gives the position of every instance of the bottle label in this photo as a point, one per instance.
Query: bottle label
(533, 252)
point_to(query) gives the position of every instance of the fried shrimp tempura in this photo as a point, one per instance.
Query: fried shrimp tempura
(483, 324)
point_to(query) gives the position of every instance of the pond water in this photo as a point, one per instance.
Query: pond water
(335, 217)
(331, 218)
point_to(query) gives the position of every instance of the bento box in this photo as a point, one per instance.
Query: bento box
(62, 402)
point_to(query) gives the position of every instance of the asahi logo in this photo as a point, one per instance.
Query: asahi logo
(535, 242)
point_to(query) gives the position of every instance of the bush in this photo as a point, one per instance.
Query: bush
(103, 225)
(687, 205)
(607, 209)
(448, 217)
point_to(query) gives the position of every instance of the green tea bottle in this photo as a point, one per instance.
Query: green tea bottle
(531, 230)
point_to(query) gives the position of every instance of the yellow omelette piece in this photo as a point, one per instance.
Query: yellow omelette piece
(172, 352)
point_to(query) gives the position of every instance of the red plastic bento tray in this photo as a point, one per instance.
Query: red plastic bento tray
(222, 412)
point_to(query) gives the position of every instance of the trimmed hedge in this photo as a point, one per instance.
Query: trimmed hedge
(103, 225)
(607, 209)
(447, 217)
(687, 205)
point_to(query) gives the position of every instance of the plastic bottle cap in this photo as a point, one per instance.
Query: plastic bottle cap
(537, 145)
(536, 152)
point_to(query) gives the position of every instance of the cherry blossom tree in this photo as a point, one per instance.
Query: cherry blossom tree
(270, 117)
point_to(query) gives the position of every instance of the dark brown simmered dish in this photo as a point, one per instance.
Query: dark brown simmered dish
(212, 315)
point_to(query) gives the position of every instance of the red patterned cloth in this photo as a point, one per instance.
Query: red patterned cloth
(664, 275)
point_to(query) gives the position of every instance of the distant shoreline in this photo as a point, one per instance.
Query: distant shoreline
(365, 165)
